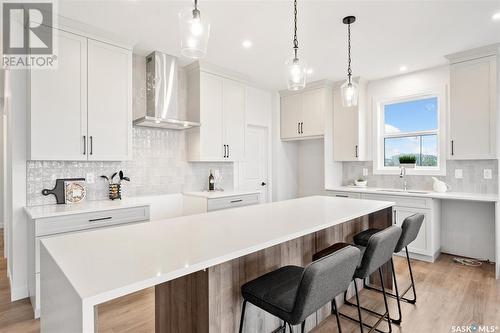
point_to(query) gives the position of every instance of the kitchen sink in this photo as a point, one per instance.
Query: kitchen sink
(402, 191)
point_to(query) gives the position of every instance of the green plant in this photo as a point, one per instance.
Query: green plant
(407, 159)
(361, 179)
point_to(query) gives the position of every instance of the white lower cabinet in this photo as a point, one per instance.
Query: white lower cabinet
(196, 203)
(427, 245)
(43, 228)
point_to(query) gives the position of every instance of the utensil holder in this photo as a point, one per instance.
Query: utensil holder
(115, 191)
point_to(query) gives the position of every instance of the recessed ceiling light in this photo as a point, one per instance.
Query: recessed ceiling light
(310, 71)
(403, 68)
(496, 16)
(247, 44)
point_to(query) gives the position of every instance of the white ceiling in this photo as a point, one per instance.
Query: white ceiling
(386, 35)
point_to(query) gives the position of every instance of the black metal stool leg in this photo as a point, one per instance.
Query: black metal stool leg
(242, 315)
(303, 327)
(385, 300)
(291, 328)
(414, 300)
(359, 306)
(335, 309)
(396, 321)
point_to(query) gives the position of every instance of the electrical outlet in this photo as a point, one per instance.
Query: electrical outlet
(90, 178)
(459, 174)
(365, 172)
(487, 174)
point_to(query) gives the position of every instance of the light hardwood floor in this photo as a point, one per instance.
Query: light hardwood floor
(448, 294)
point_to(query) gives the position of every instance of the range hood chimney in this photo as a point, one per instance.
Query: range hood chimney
(161, 94)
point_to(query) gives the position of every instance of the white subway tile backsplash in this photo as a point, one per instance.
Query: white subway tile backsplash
(159, 166)
(471, 180)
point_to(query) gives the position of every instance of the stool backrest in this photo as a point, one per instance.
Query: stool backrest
(324, 279)
(378, 251)
(411, 226)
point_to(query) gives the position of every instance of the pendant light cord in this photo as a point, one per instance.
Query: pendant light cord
(349, 71)
(295, 40)
(195, 4)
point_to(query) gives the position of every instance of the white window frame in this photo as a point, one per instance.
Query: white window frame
(379, 134)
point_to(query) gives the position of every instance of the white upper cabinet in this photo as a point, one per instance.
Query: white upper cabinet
(234, 119)
(109, 102)
(350, 128)
(58, 117)
(82, 110)
(218, 103)
(303, 113)
(291, 116)
(473, 106)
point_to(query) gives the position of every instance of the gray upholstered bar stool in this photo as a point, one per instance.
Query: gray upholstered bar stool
(292, 293)
(410, 228)
(377, 252)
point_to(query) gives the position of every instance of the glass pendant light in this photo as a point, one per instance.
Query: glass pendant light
(194, 32)
(295, 69)
(350, 89)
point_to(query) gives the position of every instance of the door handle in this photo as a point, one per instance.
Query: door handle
(263, 184)
(91, 145)
(84, 145)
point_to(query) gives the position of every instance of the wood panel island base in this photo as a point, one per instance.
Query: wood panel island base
(197, 263)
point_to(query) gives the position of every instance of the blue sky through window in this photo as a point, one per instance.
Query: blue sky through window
(411, 116)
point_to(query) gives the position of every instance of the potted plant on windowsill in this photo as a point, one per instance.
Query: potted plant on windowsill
(407, 161)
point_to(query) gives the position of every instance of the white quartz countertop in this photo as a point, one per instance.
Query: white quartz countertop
(219, 194)
(418, 193)
(105, 264)
(44, 211)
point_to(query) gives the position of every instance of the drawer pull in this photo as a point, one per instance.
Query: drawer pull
(101, 219)
(235, 201)
(341, 196)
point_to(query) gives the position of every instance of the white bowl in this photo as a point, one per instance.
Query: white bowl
(361, 183)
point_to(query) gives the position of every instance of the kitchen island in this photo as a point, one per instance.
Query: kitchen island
(197, 262)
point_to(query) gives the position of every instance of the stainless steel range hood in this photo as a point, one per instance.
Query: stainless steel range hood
(162, 109)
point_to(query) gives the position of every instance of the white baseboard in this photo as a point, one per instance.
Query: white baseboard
(19, 293)
(16, 293)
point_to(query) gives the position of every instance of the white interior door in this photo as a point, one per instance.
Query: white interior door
(254, 168)
(109, 102)
(58, 116)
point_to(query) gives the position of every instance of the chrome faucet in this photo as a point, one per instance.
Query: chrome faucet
(402, 174)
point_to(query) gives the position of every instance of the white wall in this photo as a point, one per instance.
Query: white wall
(2, 98)
(285, 160)
(16, 183)
(311, 167)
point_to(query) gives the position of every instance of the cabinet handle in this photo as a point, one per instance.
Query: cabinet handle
(235, 201)
(356, 151)
(91, 145)
(84, 145)
(452, 148)
(228, 151)
(224, 151)
(298, 128)
(341, 196)
(301, 128)
(101, 219)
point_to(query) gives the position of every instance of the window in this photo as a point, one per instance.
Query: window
(410, 126)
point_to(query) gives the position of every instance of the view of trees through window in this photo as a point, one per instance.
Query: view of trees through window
(411, 128)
